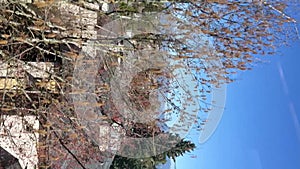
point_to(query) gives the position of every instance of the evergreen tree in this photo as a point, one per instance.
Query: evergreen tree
(183, 146)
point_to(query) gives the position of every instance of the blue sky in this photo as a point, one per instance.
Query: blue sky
(260, 128)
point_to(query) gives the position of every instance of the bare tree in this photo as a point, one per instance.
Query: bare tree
(131, 58)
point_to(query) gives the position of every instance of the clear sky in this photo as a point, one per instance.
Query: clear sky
(260, 128)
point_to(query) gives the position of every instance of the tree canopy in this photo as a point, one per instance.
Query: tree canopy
(112, 61)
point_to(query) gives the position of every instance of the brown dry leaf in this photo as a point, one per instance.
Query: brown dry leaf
(3, 42)
(189, 13)
(42, 4)
(42, 132)
(6, 36)
(47, 125)
(155, 71)
(178, 58)
(99, 104)
(72, 55)
(38, 22)
(56, 20)
(81, 127)
(202, 15)
(51, 35)
(6, 109)
(178, 66)
(73, 135)
(38, 28)
(19, 39)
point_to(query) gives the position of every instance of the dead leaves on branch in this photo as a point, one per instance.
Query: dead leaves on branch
(38, 25)
(239, 30)
(43, 4)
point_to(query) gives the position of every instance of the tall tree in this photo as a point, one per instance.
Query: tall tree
(182, 147)
(237, 30)
(211, 39)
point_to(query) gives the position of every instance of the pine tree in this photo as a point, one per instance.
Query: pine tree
(183, 146)
(179, 149)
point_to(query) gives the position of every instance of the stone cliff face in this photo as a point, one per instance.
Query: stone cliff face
(71, 30)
